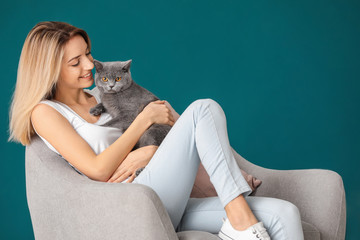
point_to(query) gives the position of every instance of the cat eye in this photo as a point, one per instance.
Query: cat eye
(118, 79)
(105, 79)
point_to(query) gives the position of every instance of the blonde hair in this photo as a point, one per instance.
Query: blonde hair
(38, 72)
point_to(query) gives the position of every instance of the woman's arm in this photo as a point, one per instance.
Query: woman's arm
(57, 130)
(173, 112)
(136, 159)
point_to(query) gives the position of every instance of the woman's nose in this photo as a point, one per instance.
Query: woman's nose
(89, 64)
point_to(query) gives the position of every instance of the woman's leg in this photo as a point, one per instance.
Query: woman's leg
(199, 134)
(281, 218)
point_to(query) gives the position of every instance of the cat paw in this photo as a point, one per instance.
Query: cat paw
(95, 111)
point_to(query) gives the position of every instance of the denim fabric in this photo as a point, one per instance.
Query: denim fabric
(281, 218)
(200, 134)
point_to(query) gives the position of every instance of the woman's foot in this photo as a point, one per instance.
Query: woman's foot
(239, 213)
(254, 232)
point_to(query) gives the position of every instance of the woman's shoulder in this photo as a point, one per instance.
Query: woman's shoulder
(49, 105)
(51, 109)
(45, 108)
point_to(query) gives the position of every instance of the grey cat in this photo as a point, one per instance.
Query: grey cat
(123, 99)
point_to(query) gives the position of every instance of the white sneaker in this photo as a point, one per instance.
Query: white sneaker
(254, 232)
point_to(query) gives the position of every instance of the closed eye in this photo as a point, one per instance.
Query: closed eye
(77, 64)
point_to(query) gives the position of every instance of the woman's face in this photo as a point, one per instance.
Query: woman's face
(76, 65)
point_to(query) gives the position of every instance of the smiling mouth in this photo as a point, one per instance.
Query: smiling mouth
(87, 75)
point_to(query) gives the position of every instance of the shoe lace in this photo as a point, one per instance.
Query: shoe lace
(259, 233)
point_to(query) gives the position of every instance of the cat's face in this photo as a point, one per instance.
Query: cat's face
(112, 77)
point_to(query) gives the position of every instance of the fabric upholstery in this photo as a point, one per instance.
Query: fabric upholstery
(310, 231)
(196, 235)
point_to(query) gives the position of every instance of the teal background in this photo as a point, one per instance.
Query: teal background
(285, 72)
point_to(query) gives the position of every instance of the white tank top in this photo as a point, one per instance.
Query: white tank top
(98, 137)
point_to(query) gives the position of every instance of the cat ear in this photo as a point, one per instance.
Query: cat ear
(127, 64)
(98, 65)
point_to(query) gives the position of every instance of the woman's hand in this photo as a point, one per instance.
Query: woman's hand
(134, 160)
(173, 112)
(159, 112)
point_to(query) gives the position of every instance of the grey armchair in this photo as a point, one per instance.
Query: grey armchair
(65, 205)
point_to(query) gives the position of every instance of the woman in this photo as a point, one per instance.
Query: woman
(50, 100)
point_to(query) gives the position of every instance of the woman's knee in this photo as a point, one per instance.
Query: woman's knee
(285, 209)
(280, 217)
(289, 210)
(277, 207)
(204, 102)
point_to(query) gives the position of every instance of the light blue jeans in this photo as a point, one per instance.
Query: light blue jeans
(200, 134)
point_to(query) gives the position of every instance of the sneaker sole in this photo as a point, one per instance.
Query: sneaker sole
(223, 236)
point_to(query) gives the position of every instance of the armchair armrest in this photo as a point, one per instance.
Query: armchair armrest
(319, 194)
(117, 211)
(65, 205)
